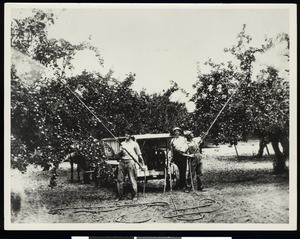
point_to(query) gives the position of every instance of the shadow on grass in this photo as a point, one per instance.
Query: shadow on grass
(153, 186)
(236, 171)
(246, 158)
(234, 177)
(242, 176)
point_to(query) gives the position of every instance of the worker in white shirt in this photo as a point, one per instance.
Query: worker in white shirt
(179, 146)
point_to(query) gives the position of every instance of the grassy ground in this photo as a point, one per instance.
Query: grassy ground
(245, 188)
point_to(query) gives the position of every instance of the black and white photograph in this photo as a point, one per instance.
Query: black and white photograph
(150, 117)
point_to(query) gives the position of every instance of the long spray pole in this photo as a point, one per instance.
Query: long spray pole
(226, 103)
(104, 126)
(211, 125)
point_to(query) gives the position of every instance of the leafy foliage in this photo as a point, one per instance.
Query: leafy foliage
(270, 109)
(258, 108)
(30, 36)
(213, 91)
(48, 121)
(29, 33)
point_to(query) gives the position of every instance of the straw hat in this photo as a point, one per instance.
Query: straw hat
(177, 128)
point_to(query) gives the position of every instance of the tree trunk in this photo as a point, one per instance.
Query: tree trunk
(279, 162)
(267, 150)
(285, 146)
(72, 169)
(261, 149)
(236, 151)
(78, 172)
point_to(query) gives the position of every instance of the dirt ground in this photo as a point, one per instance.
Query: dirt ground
(239, 190)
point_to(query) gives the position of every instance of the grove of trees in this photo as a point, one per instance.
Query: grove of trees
(48, 122)
(260, 107)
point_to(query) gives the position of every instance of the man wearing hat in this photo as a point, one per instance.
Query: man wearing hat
(194, 152)
(127, 165)
(179, 146)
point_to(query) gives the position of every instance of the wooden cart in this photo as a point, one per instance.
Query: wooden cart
(156, 152)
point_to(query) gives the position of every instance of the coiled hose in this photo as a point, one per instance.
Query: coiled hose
(181, 214)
